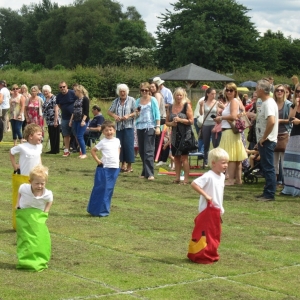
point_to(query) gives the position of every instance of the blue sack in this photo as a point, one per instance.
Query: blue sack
(104, 184)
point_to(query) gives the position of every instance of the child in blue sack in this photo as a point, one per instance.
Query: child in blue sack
(203, 247)
(107, 171)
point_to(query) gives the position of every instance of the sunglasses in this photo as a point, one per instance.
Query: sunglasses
(297, 91)
(62, 87)
(230, 91)
(15, 89)
(279, 91)
(143, 91)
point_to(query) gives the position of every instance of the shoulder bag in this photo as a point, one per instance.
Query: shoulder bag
(200, 131)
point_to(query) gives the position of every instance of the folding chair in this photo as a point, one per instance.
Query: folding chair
(199, 156)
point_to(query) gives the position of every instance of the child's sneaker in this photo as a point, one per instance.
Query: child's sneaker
(66, 153)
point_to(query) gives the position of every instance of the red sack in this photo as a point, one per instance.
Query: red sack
(203, 247)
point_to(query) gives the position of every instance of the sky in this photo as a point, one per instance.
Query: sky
(275, 15)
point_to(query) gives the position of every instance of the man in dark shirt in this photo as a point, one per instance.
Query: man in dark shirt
(65, 102)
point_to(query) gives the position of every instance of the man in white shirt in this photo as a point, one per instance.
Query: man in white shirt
(266, 134)
(167, 94)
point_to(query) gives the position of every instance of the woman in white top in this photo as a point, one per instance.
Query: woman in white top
(231, 142)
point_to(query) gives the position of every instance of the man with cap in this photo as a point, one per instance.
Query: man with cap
(167, 94)
(4, 107)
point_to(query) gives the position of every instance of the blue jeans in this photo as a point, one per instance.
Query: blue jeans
(80, 130)
(200, 141)
(267, 165)
(126, 137)
(16, 127)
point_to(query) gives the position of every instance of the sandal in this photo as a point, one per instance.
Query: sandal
(176, 181)
(185, 183)
(123, 170)
(128, 171)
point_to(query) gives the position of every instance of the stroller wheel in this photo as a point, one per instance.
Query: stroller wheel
(250, 178)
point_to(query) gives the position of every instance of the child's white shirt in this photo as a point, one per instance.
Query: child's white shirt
(110, 152)
(28, 200)
(30, 156)
(213, 185)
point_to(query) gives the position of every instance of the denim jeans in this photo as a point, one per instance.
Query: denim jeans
(200, 141)
(16, 127)
(266, 153)
(80, 130)
(126, 137)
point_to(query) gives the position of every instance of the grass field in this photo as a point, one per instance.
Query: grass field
(139, 251)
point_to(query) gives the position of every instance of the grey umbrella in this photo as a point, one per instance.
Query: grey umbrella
(249, 84)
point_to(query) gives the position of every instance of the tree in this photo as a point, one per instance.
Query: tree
(216, 34)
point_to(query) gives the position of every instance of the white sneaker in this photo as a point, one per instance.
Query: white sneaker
(160, 163)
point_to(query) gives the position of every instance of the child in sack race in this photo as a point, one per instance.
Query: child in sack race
(210, 187)
(32, 208)
(107, 171)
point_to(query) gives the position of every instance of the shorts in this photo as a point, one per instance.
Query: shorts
(66, 129)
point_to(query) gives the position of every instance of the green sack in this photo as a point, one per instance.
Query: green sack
(33, 239)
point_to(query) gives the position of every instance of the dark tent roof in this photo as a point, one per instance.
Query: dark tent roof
(193, 72)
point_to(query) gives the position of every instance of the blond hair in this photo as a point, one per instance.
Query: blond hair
(39, 171)
(31, 129)
(216, 154)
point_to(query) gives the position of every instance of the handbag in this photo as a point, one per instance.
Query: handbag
(240, 124)
(282, 140)
(200, 121)
(188, 142)
(217, 128)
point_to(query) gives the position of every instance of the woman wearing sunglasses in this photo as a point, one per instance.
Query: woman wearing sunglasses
(231, 142)
(284, 126)
(16, 113)
(147, 125)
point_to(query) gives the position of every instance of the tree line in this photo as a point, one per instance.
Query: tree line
(215, 34)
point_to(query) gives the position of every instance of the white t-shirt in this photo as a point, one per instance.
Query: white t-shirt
(6, 96)
(30, 156)
(110, 152)
(213, 185)
(28, 200)
(268, 108)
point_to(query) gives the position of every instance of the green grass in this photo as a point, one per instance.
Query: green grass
(139, 251)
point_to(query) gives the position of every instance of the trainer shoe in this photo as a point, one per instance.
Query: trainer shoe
(264, 199)
(66, 153)
(160, 163)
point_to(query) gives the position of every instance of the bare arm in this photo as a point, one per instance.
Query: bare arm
(18, 201)
(13, 162)
(268, 130)
(200, 191)
(47, 207)
(94, 155)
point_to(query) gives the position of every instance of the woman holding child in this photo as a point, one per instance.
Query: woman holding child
(180, 118)
(231, 142)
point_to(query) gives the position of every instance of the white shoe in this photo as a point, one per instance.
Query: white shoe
(160, 163)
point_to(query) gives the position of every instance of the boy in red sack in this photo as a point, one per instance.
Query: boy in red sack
(203, 247)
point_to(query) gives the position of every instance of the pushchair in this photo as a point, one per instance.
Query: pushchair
(251, 175)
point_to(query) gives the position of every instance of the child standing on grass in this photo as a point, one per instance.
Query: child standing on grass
(33, 205)
(29, 157)
(30, 152)
(206, 235)
(107, 171)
